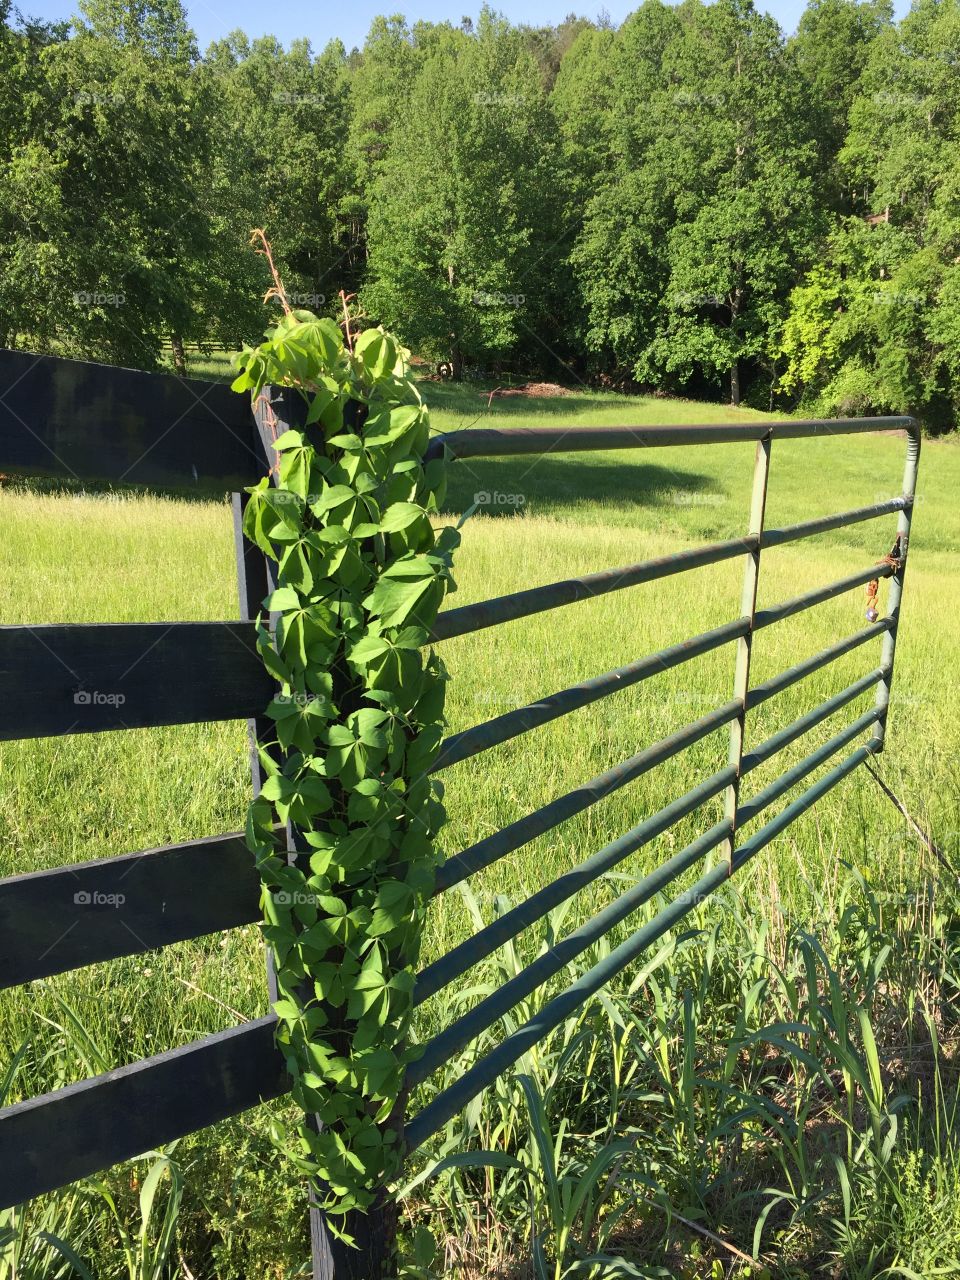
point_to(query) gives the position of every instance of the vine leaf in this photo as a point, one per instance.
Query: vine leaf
(357, 719)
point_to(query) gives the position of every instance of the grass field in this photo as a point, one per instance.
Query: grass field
(117, 557)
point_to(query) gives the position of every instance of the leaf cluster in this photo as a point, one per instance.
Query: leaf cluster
(357, 718)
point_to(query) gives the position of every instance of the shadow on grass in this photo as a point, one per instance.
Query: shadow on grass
(506, 486)
(67, 487)
(538, 484)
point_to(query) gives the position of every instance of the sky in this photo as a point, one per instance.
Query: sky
(349, 20)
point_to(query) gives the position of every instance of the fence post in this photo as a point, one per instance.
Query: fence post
(375, 1232)
(889, 645)
(255, 580)
(748, 609)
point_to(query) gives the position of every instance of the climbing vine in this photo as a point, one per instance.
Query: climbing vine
(361, 572)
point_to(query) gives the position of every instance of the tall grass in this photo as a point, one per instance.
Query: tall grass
(764, 1100)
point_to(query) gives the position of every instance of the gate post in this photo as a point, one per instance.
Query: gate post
(748, 609)
(889, 645)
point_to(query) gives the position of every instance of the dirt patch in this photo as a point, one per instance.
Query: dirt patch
(530, 389)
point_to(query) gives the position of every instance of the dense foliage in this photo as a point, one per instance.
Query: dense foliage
(358, 715)
(693, 202)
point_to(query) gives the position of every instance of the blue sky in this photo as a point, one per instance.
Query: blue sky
(350, 19)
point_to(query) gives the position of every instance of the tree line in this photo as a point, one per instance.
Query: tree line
(692, 202)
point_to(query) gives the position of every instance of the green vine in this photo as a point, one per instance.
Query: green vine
(361, 573)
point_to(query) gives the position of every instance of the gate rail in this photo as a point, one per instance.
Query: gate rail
(210, 884)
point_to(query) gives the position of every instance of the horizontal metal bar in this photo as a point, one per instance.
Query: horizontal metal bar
(766, 617)
(512, 837)
(52, 921)
(824, 428)
(799, 806)
(483, 1073)
(487, 442)
(456, 962)
(521, 604)
(823, 524)
(490, 442)
(749, 809)
(777, 741)
(482, 1016)
(61, 1137)
(454, 1098)
(776, 684)
(461, 746)
(474, 949)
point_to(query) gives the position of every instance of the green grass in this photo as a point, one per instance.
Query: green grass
(89, 558)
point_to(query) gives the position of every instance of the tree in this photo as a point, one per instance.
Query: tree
(29, 196)
(610, 122)
(281, 164)
(889, 340)
(550, 45)
(854, 322)
(379, 92)
(831, 48)
(583, 100)
(455, 216)
(735, 246)
(689, 202)
(108, 177)
(692, 242)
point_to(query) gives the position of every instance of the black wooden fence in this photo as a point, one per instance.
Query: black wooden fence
(77, 421)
